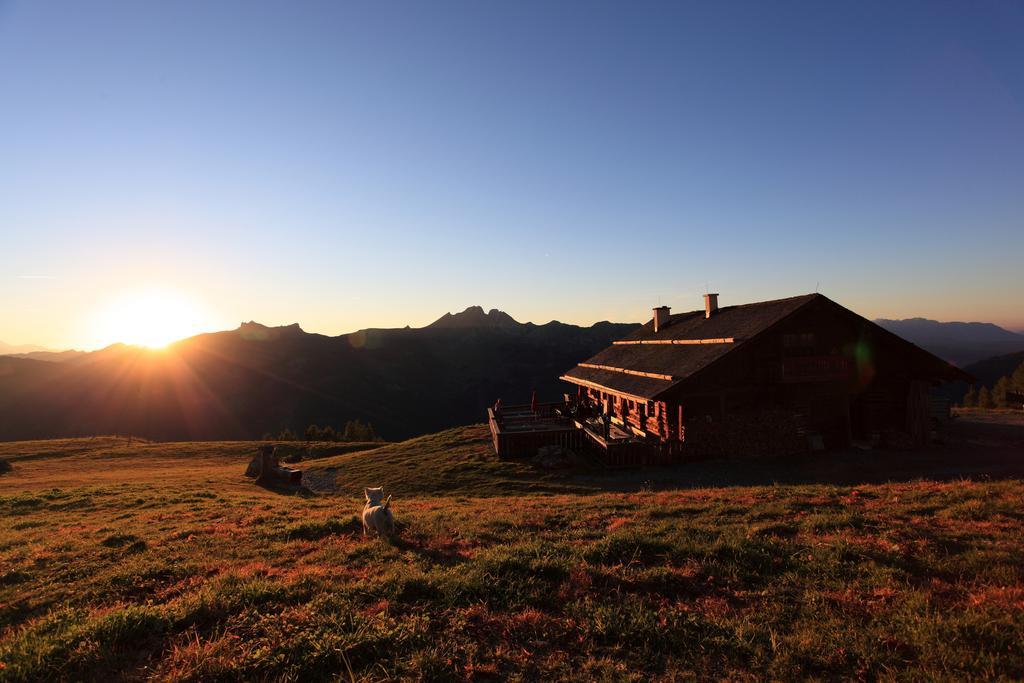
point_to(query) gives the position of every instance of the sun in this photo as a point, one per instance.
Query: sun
(151, 317)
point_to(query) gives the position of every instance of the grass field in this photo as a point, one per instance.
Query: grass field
(162, 561)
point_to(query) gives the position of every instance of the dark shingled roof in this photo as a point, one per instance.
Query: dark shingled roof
(666, 365)
(740, 323)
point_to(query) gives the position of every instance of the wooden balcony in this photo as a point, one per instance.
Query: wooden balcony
(520, 430)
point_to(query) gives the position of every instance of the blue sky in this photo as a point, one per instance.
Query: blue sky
(347, 165)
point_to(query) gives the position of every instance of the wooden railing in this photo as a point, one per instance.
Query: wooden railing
(622, 452)
(524, 413)
(520, 431)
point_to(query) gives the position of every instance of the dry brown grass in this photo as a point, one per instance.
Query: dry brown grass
(162, 561)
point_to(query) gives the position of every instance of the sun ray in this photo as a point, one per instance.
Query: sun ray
(151, 317)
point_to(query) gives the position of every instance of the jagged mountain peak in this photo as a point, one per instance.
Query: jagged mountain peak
(255, 330)
(474, 316)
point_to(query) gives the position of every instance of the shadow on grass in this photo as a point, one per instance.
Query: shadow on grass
(317, 529)
(446, 556)
(970, 450)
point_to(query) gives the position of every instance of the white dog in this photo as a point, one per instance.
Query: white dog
(377, 513)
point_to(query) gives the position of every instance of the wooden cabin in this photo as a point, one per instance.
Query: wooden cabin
(772, 377)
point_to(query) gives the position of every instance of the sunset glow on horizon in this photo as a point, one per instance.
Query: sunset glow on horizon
(152, 317)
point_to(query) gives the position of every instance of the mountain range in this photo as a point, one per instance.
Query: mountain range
(255, 379)
(8, 349)
(960, 343)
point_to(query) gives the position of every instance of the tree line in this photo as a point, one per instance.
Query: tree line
(354, 430)
(997, 396)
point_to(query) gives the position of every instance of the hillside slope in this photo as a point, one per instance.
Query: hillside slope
(161, 561)
(990, 370)
(987, 372)
(458, 462)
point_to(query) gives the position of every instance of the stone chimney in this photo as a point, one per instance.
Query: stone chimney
(660, 317)
(710, 304)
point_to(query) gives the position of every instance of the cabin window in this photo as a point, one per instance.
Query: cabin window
(798, 342)
(650, 407)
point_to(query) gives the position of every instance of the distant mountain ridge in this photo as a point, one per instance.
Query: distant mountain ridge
(36, 352)
(474, 316)
(255, 379)
(961, 343)
(953, 331)
(8, 349)
(53, 356)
